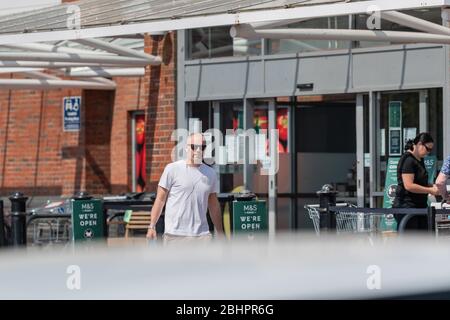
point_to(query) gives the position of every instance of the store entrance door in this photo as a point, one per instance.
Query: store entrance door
(387, 120)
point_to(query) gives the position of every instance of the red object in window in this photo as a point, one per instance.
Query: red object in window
(140, 153)
(282, 124)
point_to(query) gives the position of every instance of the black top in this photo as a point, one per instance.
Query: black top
(405, 199)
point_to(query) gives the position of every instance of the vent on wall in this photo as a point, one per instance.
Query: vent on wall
(305, 86)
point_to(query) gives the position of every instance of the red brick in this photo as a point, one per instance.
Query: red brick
(35, 153)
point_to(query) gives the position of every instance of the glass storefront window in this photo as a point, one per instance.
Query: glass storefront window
(435, 125)
(202, 111)
(199, 43)
(275, 46)
(231, 175)
(408, 121)
(216, 42)
(409, 117)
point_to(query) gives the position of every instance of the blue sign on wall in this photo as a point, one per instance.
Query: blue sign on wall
(72, 113)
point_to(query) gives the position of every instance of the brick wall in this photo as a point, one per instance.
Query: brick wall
(161, 120)
(38, 158)
(33, 147)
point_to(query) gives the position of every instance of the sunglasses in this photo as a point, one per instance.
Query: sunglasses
(428, 148)
(198, 146)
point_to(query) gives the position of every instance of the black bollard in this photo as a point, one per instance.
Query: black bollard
(2, 226)
(327, 199)
(18, 219)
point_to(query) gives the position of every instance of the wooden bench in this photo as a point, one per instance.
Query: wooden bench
(139, 220)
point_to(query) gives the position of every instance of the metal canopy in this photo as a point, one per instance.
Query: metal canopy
(96, 13)
(92, 48)
(106, 18)
(90, 61)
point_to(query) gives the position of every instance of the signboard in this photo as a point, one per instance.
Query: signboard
(395, 128)
(367, 160)
(395, 142)
(72, 113)
(249, 216)
(391, 183)
(87, 220)
(431, 166)
(395, 114)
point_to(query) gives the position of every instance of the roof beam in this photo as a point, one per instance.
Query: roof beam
(414, 23)
(102, 72)
(114, 48)
(14, 70)
(273, 24)
(41, 47)
(307, 12)
(44, 84)
(70, 57)
(246, 31)
(51, 65)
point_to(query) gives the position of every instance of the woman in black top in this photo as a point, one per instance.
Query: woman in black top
(413, 188)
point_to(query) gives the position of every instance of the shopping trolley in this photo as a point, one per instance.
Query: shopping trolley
(348, 220)
(49, 224)
(442, 220)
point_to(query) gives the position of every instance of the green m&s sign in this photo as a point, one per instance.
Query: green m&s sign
(249, 216)
(87, 220)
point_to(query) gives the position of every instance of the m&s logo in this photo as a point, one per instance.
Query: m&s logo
(250, 207)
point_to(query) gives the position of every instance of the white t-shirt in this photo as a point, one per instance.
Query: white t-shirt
(187, 202)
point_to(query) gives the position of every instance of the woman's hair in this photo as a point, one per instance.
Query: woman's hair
(423, 137)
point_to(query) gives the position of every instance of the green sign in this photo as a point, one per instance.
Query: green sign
(127, 216)
(249, 216)
(87, 220)
(430, 165)
(391, 183)
(395, 114)
(395, 128)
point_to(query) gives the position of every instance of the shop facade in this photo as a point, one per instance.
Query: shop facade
(342, 106)
(330, 100)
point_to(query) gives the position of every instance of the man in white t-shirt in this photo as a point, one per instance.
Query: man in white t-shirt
(190, 189)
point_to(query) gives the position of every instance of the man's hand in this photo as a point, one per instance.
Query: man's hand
(215, 213)
(161, 196)
(151, 234)
(434, 190)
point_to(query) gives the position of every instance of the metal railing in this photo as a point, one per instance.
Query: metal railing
(345, 217)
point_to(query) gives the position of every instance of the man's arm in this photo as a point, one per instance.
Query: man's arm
(441, 183)
(161, 197)
(214, 212)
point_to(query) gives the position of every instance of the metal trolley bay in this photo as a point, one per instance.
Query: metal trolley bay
(350, 219)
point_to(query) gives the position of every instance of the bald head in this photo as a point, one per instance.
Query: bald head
(195, 138)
